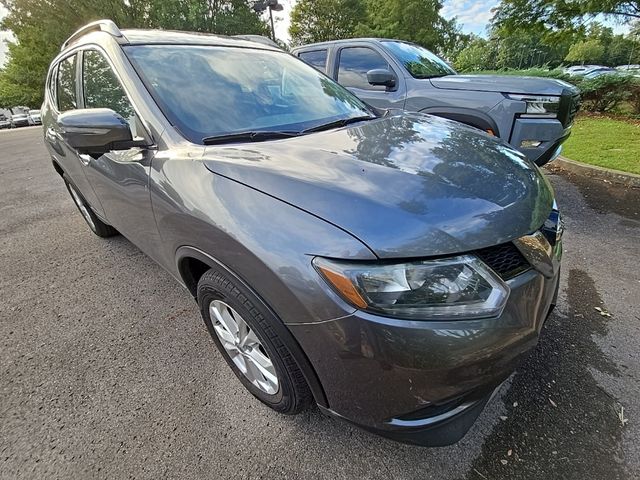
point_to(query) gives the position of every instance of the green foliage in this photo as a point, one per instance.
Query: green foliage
(634, 96)
(542, 15)
(417, 21)
(478, 55)
(589, 51)
(320, 20)
(40, 27)
(606, 92)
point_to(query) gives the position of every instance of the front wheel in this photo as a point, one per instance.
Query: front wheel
(96, 225)
(244, 335)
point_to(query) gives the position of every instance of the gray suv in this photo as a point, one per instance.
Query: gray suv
(534, 115)
(391, 268)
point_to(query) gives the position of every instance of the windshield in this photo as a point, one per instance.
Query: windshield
(208, 91)
(420, 62)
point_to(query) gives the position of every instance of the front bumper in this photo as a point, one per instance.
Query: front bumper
(549, 132)
(424, 382)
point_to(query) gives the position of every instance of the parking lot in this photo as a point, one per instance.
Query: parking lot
(107, 371)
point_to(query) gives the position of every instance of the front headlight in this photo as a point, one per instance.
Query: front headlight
(459, 287)
(538, 105)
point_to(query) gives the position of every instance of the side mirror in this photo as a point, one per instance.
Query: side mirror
(381, 76)
(96, 131)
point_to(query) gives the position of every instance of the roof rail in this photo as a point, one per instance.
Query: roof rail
(97, 26)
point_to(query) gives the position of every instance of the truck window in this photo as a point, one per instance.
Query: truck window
(354, 64)
(315, 58)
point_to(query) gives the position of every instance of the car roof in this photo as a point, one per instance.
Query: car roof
(175, 37)
(106, 28)
(347, 40)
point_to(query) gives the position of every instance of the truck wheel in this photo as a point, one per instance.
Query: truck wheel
(248, 342)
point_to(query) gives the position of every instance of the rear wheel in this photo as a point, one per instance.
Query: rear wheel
(244, 335)
(96, 225)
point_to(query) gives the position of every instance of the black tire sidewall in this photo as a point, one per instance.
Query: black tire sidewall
(215, 285)
(99, 228)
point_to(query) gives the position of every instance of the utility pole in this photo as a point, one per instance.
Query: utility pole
(272, 5)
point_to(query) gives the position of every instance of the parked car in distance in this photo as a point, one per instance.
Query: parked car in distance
(631, 67)
(598, 72)
(392, 268)
(34, 117)
(534, 115)
(4, 122)
(19, 120)
(579, 70)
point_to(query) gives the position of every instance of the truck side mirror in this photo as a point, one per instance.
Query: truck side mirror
(381, 76)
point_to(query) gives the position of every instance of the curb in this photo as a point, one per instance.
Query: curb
(616, 176)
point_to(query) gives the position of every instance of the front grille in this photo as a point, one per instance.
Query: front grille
(506, 260)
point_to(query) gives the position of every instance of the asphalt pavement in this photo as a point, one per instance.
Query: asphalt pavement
(107, 370)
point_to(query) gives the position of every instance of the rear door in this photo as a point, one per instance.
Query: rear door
(64, 97)
(120, 178)
(352, 64)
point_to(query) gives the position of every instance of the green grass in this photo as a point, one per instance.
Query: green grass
(605, 142)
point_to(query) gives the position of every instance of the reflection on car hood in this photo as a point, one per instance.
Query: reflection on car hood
(411, 185)
(503, 84)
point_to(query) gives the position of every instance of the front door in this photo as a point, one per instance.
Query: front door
(64, 89)
(351, 72)
(120, 178)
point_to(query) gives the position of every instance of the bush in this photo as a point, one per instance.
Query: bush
(606, 92)
(634, 95)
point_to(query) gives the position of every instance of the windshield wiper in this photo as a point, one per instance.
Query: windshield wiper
(338, 123)
(251, 136)
(433, 75)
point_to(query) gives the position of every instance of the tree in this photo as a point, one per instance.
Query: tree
(417, 21)
(39, 35)
(515, 15)
(478, 55)
(320, 20)
(589, 51)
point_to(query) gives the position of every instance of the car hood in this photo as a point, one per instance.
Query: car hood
(410, 185)
(502, 84)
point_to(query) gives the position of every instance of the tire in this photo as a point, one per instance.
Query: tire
(96, 225)
(215, 290)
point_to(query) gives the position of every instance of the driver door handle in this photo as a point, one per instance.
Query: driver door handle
(84, 158)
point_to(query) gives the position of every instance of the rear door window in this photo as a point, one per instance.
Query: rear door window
(354, 64)
(316, 58)
(66, 84)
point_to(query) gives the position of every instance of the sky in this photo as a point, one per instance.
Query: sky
(473, 15)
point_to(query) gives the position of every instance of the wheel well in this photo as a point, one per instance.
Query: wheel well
(191, 269)
(57, 168)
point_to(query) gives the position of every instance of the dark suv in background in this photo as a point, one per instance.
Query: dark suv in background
(392, 268)
(534, 115)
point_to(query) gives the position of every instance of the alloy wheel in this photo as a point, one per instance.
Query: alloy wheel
(243, 347)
